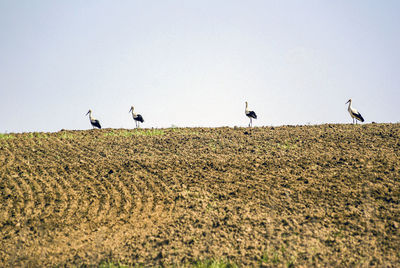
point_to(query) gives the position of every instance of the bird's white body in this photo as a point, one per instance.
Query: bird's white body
(352, 111)
(355, 115)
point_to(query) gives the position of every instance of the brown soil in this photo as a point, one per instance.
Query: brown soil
(324, 195)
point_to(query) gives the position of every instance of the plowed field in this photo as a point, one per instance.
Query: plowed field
(325, 195)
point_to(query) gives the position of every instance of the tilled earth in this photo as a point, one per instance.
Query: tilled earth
(325, 195)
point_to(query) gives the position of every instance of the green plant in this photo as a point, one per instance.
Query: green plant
(287, 145)
(186, 131)
(6, 136)
(113, 265)
(213, 264)
(265, 257)
(270, 257)
(290, 263)
(153, 132)
(126, 133)
(213, 146)
(66, 136)
(38, 135)
(274, 256)
(111, 133)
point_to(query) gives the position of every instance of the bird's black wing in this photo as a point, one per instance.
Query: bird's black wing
(252, 114)
(139, 118)
(96, 123)
(359, 116)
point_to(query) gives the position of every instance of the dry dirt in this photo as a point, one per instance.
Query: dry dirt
(325, 195)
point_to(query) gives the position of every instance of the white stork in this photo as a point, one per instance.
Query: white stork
(93, 121)
(250, 114)
(354, 113)
(137, 117)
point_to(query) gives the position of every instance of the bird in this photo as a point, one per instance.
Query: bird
(93, 121)
(137, 117)
(251, 115)
(354, 113)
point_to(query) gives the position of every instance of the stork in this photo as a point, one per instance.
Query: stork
(251, 115)
(93, 121)
(137, 117)
(354, 113)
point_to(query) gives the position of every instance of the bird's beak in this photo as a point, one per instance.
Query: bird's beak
(87, 113)
(130, 110)
(347, 102)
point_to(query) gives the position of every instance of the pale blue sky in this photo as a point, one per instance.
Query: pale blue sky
(195, 63)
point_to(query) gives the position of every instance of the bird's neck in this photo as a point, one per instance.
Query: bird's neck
(246, 108)
(90, 116)
(349, 108)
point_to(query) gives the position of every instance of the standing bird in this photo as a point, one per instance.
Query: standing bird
(93, 121)
(137, 117)
(354, 113)
(251, 115)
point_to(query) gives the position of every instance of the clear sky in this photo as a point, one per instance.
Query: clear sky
(194, 63)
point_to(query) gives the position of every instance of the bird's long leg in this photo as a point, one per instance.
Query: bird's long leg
(251, 122)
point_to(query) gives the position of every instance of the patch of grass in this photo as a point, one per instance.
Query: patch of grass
(137, 132)
(291, 263)
(6, 136)
(113, 265)
(213, 264)
(111, 133)
(287, 145)
(126, 133)
(152, 132)
(187, 131)
(275, 257)
(213, 146)
(175, 129)
(66, 136)
(271, 257)
(38, 135)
